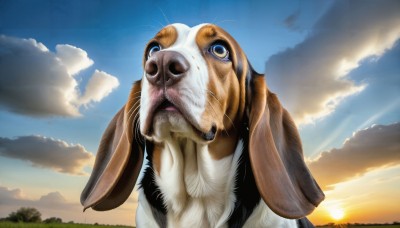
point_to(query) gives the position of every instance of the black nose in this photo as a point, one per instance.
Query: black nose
(165, 68)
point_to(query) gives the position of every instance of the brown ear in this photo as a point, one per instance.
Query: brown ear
(118, 161)
(276, 156)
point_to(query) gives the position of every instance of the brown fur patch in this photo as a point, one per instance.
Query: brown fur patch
(157, 150)
(223, 146)
(166, 38)
(226, 90)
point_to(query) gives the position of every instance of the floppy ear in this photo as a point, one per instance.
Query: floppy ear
(119, 159)
(276, 155)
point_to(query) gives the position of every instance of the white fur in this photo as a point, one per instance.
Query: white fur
(263, 216)
(195, 186)
(144, 216)
(192, 88)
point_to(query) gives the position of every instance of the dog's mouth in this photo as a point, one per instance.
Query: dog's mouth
(169, 107)
(166, 105)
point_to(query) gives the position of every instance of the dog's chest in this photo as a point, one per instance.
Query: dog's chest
(197, 189)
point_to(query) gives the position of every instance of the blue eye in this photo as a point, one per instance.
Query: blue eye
(153, 50)
(219, 51)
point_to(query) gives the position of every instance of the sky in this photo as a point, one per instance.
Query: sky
(66, 67)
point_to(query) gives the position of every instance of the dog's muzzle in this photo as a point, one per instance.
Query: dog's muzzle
(164, 70)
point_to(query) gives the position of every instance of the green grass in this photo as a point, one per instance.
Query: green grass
(67, 225)
(359, 226)
(61, 225)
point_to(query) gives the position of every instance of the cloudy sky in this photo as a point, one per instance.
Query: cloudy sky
(66, 67)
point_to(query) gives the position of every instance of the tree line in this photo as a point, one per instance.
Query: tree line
(29, 215)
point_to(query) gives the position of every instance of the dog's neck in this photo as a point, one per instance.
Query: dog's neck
(196, 186)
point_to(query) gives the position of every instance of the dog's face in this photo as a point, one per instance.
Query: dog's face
(197, 84)
(191, 87)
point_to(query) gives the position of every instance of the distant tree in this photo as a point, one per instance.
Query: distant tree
(53, 220)
(25, 214)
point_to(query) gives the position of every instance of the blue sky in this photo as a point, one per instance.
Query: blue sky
(334, 65)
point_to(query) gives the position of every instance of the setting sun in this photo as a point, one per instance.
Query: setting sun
(336, 213)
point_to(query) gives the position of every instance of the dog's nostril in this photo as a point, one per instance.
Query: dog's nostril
(151, 68)
(173, 68)
(178, 66)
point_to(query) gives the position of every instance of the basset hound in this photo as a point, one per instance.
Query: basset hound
(221, 150)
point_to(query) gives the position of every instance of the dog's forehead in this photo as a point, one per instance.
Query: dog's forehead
(178, 35)
(186, 34)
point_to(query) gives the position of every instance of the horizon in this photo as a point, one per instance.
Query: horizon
(67, 67)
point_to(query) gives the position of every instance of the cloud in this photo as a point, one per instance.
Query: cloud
(366, 150)
(12, 199)
(100, 85)
(310, 78)
(291, 20)
(37, 82)
(8, 196)
(73, 58)
(47, 153)
(16, 196)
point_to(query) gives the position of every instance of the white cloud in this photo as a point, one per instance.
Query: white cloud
(47, 153)
(100, 85)
(311, 77)
(74, 59)
(367, 149)
(37, 82)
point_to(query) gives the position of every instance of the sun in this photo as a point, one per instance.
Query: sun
(336, 213)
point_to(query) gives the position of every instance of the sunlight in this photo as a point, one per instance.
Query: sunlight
(336, 213)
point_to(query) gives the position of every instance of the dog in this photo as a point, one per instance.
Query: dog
(221, 150)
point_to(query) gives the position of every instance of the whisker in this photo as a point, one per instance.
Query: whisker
(137, 129)
(213, 95)
(165, 16)
(134, 112)
(216, 115)
(137, 92)
(135, 105)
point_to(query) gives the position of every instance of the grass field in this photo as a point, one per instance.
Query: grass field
(61, 225)
(360, 226)
(67, 225)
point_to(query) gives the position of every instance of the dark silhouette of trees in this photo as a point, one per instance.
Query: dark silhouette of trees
(52, 220)
(25, 214)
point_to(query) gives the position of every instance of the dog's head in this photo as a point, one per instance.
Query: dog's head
(192, 83)
(198, 84)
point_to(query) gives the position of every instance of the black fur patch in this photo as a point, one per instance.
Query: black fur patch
(152, 191)
(246, 192)
(304, 223)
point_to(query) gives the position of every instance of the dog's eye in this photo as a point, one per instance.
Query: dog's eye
(219, 51)
(155, 48)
